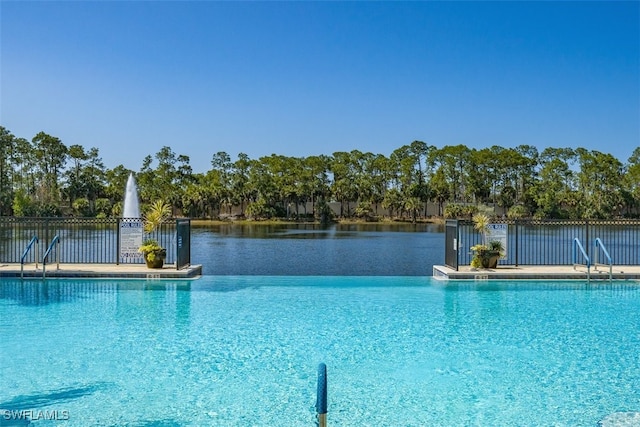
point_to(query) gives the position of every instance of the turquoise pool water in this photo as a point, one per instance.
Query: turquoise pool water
(244, 350)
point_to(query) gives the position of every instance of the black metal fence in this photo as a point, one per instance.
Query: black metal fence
(86, 240)
(549, 242)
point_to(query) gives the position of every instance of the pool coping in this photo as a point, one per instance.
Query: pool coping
(536, 272)
(105, 271)
(441, 272)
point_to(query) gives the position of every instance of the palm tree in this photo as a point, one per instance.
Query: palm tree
(412, 205)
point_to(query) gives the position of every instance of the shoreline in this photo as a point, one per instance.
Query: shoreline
(210, 222)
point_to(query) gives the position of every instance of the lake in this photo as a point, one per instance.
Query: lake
(314, 250)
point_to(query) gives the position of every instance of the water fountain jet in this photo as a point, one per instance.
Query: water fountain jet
(131, 207)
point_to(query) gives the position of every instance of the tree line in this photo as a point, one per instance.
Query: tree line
(44, 177)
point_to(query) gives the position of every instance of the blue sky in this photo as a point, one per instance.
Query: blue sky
(305, 78)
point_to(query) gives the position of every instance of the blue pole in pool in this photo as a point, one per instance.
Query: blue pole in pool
(321, 400)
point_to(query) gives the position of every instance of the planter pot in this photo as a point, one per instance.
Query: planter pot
(490, 260)
(157, 262)
(493, 261)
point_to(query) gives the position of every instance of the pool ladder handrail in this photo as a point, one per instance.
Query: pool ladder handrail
(578, 246)
(34, 239)
(598, 244)
(54, 242)
(321, 396)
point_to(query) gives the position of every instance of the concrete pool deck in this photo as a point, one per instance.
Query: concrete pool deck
(503, 272)
(112, 271)
(531, 272)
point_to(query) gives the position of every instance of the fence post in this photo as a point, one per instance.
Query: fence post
(515, 224)
(457, 245)
(586, 241)
(118, 241)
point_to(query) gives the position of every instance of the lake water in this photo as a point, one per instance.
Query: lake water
(313, 250)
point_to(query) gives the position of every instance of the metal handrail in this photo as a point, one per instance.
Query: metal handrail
(56, 240)
(34, 239)
(321, 397)
(578, 245)
(598, 244)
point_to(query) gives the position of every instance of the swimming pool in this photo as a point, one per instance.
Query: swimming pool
(244, 350)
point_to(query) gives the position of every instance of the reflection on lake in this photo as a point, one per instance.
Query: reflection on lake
(310, 249)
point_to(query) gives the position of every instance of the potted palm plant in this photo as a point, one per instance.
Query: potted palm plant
(153, 253)
(485, 254)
